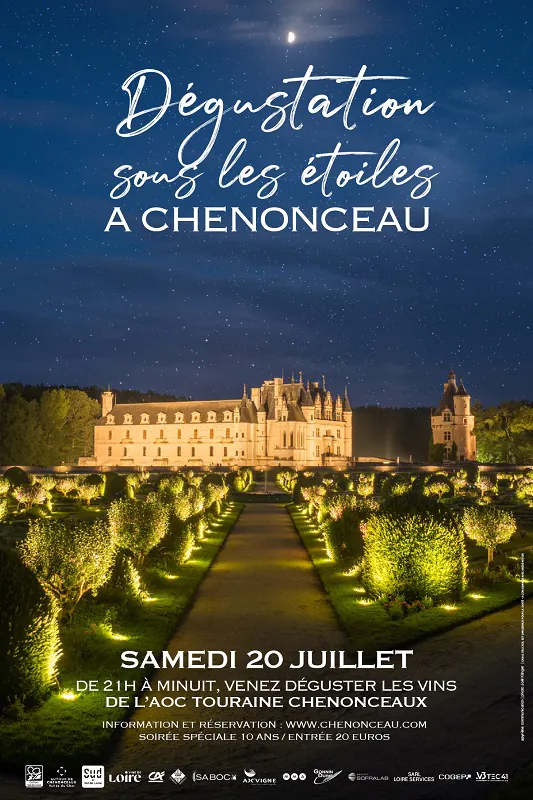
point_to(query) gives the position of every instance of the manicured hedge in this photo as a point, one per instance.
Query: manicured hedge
(29, 634)
(414, 555)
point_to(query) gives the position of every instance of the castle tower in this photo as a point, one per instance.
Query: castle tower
(452, 424)
(108, 401)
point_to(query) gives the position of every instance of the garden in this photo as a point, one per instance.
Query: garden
(403, 556)
(90, 565)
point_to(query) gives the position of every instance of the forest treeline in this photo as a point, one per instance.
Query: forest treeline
(48, 426)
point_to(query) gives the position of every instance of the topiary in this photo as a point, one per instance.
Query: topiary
(414, 554)
(177, 546)
(115, 486)
(29, 634)
(17, 476)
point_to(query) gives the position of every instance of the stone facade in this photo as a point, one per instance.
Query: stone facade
(287, 424)
(453, 422)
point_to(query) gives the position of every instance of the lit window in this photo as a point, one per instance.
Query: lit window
(211, 433)
(110, 434)
(179, 433)
(127, 434)
(195, 433)
(227, 433)
(161, 434)
(144, 434)
(109, 451)
(338, 434)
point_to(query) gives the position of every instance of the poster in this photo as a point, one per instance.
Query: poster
(321, 585)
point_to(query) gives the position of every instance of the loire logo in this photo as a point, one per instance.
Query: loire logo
(128, 776)
(93, 777)
(33, 776)
(325, 775)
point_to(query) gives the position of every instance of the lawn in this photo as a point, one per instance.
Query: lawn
(367, 623)
(92, 646)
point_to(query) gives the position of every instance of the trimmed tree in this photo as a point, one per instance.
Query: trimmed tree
(28, 631)
(69, 559)
(139, 527)
(489, 526)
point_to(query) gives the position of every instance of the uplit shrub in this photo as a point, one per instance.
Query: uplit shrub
(396, 485)
(4, 509)
(489, 527)
(28, 632)
(5, 486)
(48, 482)
(365, 484)
(30, 495)
(88, 492)
(414, 554)
(65, 486)
(69, 558)
(177, 546)
(125, 578)
(343, 538)
(139, 527)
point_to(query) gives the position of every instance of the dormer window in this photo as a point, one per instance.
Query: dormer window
(195, 416)
(228, 416)
(110, 419)
(128, 419)
(145, 419)
(161, 418)
(447, 417)
(179, 417)
(211, 416)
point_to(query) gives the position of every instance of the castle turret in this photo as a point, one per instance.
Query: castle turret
(452, 424)
(108, 401)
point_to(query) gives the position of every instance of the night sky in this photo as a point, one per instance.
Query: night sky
(198, 313)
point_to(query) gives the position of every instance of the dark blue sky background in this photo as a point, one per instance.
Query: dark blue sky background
(198, 314)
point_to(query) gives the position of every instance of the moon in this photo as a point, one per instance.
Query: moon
(291, 37)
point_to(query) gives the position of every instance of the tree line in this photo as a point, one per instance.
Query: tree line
(48, 426)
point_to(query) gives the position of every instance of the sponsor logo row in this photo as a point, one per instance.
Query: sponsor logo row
(95, 777)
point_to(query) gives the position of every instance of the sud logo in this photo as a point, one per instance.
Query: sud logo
(93, 776)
